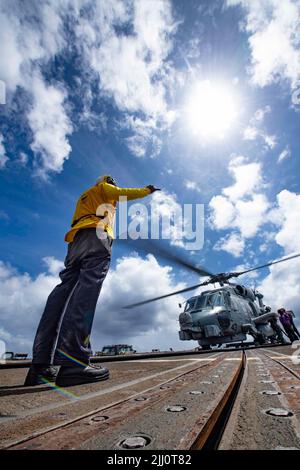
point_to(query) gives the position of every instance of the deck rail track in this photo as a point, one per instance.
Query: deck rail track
(291, 371)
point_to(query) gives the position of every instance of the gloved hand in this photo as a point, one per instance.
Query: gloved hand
(152, 188)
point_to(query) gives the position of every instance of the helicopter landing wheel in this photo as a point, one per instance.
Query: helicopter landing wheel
(206, 347)
(259, 339)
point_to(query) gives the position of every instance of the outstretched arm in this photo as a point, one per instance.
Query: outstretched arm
(113, 192)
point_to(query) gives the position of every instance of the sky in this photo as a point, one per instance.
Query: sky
(200, 98)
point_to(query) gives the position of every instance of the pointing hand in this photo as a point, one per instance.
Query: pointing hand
(152, 188)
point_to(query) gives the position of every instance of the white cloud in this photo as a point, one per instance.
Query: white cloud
(23, 158)
(274, 36)
(223, 212)
(136, 144)
(143, 141)
(247, 178)
(286, 153)
(50, 125)
(123, 45)
(288, 206)
(33, 34)
(281, 286)
(3, 156)
(263, 248)
(250, 133)
(128, 65)
(270, 140)
(192, 185)
(260, 113)
(141, 279)
(132, 68)
(250, 215)
(247, 278)
(22, 300)
(4, 335)
(54, 266)
(159, 215)
(232, 243)
(241, 206)
(254, 129)
(165, 208)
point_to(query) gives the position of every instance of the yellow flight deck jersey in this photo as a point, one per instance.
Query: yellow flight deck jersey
(86, 214)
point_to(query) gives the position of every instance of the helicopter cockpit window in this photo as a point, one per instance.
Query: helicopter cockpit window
(201, 302)
(190, 304)
(215, 300)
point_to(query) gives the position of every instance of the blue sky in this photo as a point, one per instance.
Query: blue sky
(104, 87)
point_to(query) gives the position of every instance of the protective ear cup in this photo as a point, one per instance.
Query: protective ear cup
(110, 180)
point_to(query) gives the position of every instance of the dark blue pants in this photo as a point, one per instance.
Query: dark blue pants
(63, 334)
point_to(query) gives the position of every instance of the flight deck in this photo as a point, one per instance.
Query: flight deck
(236, 399)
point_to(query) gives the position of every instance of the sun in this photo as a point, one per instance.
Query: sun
(211, 110)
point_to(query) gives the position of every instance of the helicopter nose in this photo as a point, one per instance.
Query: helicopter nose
(212, 331)
(185, 318)
(223, 319)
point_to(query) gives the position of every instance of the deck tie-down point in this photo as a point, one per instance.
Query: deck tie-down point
(176, 408)
(99, 419)
(135, 442)
(279, 412)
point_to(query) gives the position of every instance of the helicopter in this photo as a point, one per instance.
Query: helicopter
(221, 315)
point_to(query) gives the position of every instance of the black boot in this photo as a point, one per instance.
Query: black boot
(76, 375)
(40, 374)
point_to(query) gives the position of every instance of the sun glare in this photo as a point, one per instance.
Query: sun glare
(211, 110)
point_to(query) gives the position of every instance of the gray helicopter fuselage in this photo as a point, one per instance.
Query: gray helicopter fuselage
(224, 315)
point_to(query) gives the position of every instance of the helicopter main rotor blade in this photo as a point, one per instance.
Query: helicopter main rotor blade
(149, 246)
(266, 265)
(181, 291)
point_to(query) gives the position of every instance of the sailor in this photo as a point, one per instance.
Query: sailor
(295, 330)
(287, 323)
(274, 324)
(63, 334)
